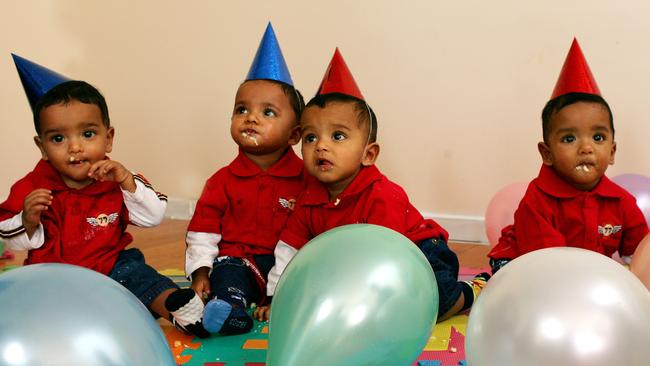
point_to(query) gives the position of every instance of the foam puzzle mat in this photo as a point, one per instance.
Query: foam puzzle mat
(444, 348)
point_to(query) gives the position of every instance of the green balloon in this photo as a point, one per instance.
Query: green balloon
(356, 295)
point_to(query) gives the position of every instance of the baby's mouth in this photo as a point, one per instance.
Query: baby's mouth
(250, 134)
(75, 161)
(584, 167)
(324, 164)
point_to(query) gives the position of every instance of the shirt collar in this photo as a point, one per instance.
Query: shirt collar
(551, 183)
(316, 194)
(289, 165)
(46, 176)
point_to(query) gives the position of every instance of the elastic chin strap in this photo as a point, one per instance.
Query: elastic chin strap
(295, 91)
(369, 123)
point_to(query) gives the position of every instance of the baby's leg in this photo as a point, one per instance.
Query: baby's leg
(231, 286)
(454, 296)
(158, 293)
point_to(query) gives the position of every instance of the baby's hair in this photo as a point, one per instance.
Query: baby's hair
(68, 91)
(365, 114)
(296, 100)
(555, 105)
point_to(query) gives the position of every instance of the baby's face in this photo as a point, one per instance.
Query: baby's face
(580, 144)
(333, 143)
(73, 137)
(262, 120)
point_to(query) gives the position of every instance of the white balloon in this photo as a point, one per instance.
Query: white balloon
(560, 306)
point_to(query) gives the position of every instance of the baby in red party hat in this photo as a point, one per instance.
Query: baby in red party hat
(339, 149)
(572, 202)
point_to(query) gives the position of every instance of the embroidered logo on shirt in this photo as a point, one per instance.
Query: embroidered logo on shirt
(287, 203)
(102, 219)
(609, 229)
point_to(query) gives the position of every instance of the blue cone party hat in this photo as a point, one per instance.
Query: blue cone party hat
(269, 62)
(37, 80)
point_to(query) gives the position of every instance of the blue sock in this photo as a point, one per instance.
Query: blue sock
(238, 322)
(215, 314)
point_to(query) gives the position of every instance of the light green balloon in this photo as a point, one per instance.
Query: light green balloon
(357, 295)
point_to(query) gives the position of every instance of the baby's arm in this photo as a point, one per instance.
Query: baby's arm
(535, 227)
(283, 254)
(146, 206)
(112, 171)
(24, 231)
(640, 265)
(202, 249)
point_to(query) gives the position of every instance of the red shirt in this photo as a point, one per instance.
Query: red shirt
(248, 206)
(553, 214)
(369, 199)
(85, 227)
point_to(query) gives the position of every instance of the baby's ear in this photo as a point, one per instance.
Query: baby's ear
(39, 144)
(294, 136)
(613, 154)
(545, 152)
(370, 154)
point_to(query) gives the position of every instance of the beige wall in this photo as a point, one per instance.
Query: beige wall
(458, 85)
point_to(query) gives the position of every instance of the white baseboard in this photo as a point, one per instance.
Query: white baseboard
(180, 208)
(461, 228)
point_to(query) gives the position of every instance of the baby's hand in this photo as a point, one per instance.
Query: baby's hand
(112, 171)
(262, 313)
(35, 203)
(201, 282)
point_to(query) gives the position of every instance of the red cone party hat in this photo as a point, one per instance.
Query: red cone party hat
(338, 79)
(575, 76)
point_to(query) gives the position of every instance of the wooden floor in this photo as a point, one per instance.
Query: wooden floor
(164, 247)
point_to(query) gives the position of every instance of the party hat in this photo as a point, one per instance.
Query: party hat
(575, 76)
(269, 62)
(338, 79)
(37, 80)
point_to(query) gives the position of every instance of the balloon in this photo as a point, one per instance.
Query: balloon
(59, 314)
(560, 306)
(356, 295)
(501, 210)
(639, 187)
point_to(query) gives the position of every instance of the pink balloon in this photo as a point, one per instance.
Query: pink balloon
(638, 186)
(501, 209)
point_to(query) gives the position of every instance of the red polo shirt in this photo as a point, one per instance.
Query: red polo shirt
(553, 213)
(369, 199)
(85, 227)
(248, 206)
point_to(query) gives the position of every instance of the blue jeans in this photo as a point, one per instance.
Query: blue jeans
(144, 282)
(234, 282)
(444, 263)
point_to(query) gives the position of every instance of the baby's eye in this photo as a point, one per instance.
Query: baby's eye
(338, 136)
(568, 138)
(309, 138)
(599, 137)
(240, 110)
(89, 134)
(57, 139)
(268, 112)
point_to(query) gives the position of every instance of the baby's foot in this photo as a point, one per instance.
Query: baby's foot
(186, 309)
(222, 317)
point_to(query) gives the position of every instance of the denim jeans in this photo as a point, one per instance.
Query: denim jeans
(234, 282)
(445, 266)
(131, 271)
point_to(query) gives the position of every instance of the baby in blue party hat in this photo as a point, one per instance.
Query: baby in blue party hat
(75, 205)
(244, 205)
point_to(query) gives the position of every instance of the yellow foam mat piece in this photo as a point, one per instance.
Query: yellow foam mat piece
(439, 340)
